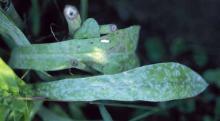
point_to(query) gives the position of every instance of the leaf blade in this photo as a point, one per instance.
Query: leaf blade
(157, 82)
(81, 53)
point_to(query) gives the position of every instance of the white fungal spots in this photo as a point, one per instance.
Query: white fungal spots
(70, 12)
(105, 41)
(176, 73)
(132, 85)
(113, 27)
(159, 68)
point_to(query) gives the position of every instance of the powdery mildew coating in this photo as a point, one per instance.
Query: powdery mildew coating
(107, 58)
(157, 82)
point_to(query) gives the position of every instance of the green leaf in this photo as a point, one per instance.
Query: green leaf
(200, 56)
(213, 76)
(87, 54)
(48, 115)
(123, 105)
(155, 49)
(12, 35)
(89, 29)
(58, 110)
(10, 84)
(73, 19)
(84, 9)
(144, 115)
(11, 32)
(178, 46)
(76, 110)
(3, 113)
(35, 17)
(187, 106)
(11, 88)
(108, 28)
(207, 118)
(10, 12)
(158, 82)
(217, 110)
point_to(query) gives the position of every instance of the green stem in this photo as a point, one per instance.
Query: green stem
(35, 17)
(10, 11)
(84, 9)
(123, 105)
(144, 115)
(105, 114)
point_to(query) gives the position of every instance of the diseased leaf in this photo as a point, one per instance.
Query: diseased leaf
(73, 19)
(157, 82)
(13, 36)
(87, 54)
(108, 28)
(89, 29)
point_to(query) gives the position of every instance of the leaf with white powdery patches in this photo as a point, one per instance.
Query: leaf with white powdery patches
(157, 82)
(83, 54)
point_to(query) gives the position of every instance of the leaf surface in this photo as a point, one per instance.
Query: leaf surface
(89, 29)
(87, 54)
(157, 82)
(11, 32)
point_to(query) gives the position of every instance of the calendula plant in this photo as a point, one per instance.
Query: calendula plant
(106, 53)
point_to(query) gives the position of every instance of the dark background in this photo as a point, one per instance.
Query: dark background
(184, 31)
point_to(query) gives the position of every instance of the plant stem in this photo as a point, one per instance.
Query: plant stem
(10, 11)
(105, 114)
(144, 115)
(123, 105)
(84, 9)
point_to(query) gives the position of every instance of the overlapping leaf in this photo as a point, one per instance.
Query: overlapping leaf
(85, 54)
(157, 82)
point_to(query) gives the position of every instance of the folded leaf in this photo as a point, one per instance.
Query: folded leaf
(157, 82)
(85, 54)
